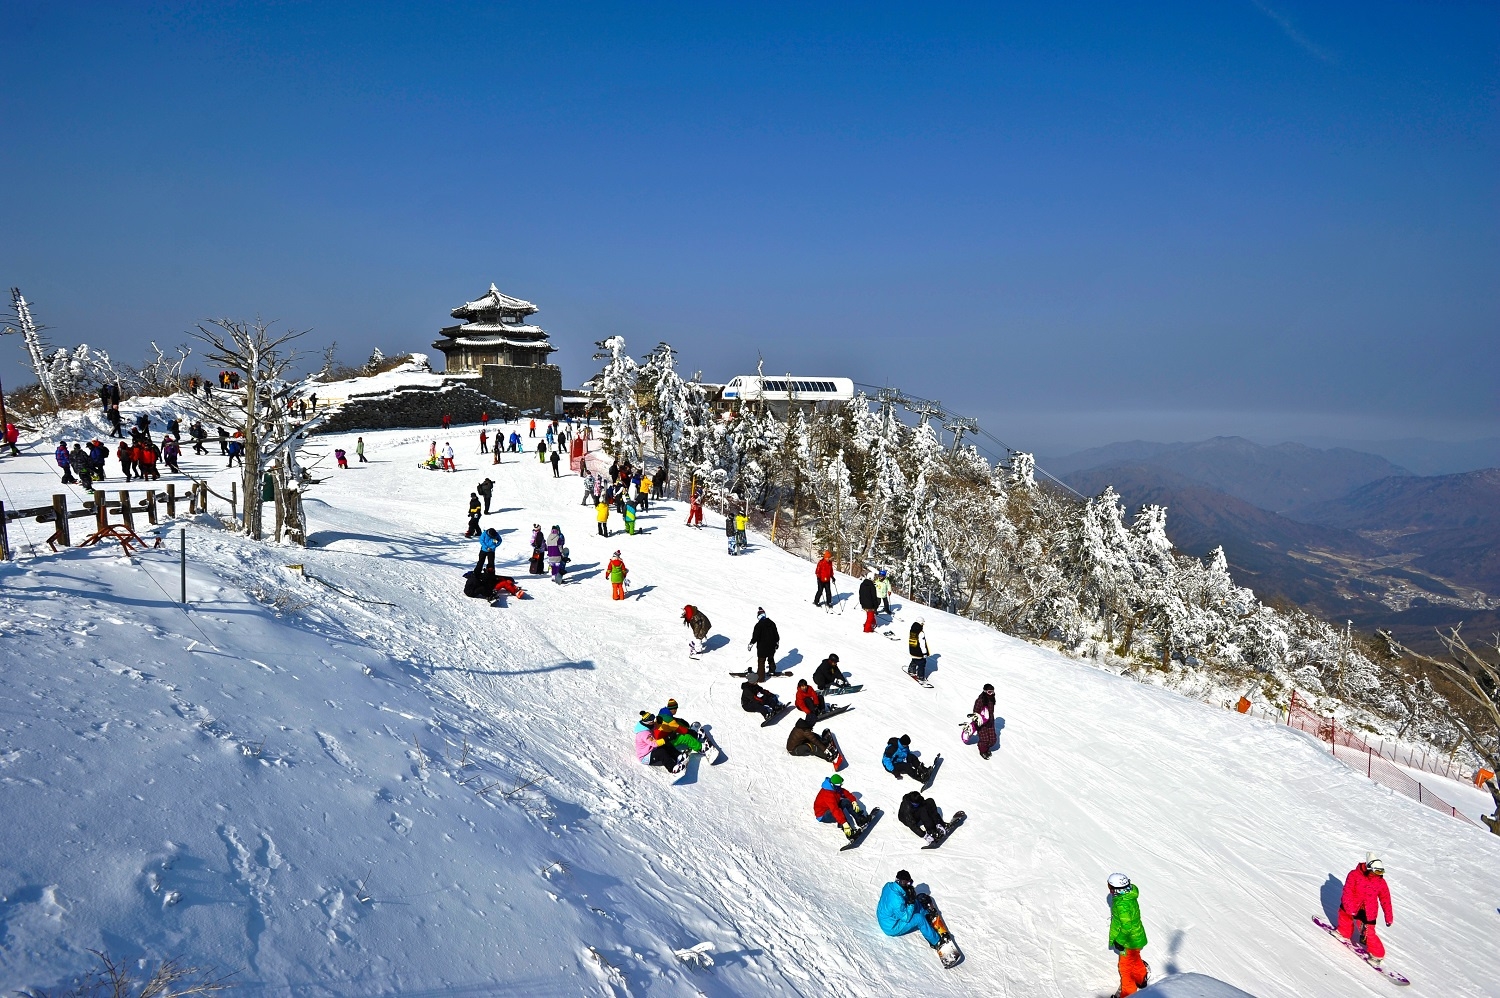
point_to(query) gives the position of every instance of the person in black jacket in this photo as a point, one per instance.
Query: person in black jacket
(868, 601)
(764, 640)
(486, 491)
(828, 675)
(920, 814)
(756, 699)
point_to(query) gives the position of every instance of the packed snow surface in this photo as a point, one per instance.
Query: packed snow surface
(350, 779)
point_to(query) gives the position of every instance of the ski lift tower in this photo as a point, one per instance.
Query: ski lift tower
(958, 426)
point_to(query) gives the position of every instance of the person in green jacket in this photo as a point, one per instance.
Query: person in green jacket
(1127, 936)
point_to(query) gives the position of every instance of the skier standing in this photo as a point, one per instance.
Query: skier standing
(696, 621)
(764, 639)
(834, 803)
(916, 647)
(448, 464)
(630, 517)
(824, 574)
(1365, 892)
(616, 571)
(898, 760)
(900, 911)
(555, 541)
(883, 592)
(984, 726)
(489, 543)
(1127, 936)
(484, 441)
(867, 601)
(695, 512)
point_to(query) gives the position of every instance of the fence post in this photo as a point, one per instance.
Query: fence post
(171, 498)
(60, 512)
(126, 516)
(151, 506)
(4, 535)
(101, 511)
(234, 500)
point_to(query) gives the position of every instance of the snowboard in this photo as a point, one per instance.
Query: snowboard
(831, 712)
(778, 715)
(838, 760)
(958, 819)
(921, 682)
(839, 691)
(947, 950)
(859, 836)
(1360, 952)
(750, 673)
(932, 772)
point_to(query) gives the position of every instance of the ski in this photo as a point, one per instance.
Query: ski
(958, 819)
(1360, 952)
(862, 831)
(932, 772)
(839, 691)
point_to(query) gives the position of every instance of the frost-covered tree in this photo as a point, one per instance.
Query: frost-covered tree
(616, 385)
(665, 402)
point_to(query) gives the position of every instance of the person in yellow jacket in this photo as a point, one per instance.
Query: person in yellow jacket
(741, 521)
(601, 514)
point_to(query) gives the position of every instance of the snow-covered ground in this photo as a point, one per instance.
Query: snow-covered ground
(354, 780)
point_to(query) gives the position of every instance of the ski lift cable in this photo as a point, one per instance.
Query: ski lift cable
(946, 415)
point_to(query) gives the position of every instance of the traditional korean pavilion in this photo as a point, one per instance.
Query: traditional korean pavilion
(494, 331)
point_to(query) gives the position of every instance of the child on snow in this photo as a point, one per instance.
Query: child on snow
(1127, 936)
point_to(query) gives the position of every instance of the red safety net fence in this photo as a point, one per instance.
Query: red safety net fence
(1352, 750)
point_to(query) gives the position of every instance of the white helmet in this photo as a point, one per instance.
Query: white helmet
(1118, 881)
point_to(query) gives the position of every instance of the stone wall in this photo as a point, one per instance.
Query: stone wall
(415, 406)
(526, 388)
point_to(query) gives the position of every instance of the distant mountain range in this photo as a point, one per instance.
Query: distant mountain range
(1340, 532)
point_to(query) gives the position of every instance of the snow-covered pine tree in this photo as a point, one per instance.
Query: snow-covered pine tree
(622, 413)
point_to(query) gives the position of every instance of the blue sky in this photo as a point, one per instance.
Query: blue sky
(1081, 223)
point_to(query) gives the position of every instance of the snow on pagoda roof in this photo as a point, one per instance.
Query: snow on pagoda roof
(498, 341)
(493, 300)
(494, 327)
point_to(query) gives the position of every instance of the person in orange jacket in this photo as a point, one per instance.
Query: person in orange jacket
(809, 700)
(824, 572)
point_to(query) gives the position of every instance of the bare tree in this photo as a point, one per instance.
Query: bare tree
(259, 410)
(1472, 678)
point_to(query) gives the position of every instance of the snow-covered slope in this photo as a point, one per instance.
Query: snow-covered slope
(275, 780)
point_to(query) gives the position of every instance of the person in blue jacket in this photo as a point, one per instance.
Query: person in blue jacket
(900, 911)
(488, 542)
(898, 760)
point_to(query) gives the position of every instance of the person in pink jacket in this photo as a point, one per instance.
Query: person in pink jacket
(1365, 891)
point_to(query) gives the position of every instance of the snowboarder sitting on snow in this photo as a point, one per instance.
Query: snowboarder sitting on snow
(699, 624)
(1365, 891)
(899, 762)
(756, 699)
(650, 748)
(828, 674)
(803, 740)
(1127, 936)
(834, 803)
(809, 700)
(920, 814)
(901, 910)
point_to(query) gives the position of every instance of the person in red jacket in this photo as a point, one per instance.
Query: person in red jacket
(824, 572)
(809, 700)
(1365, 891)
(838, 805)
